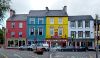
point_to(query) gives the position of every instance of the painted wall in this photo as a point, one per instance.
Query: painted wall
(36, 26)
(56, 25)
(91, 29)
(16, 29)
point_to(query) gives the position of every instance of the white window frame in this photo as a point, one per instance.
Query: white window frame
(12, 33)
(51, 20)
(30, 30)
(20, 33)
(13, 24)
(53, 31)
(32, 19)
(59, 31)
(38, 30)
(78, 23)
(85, 24)
(20, 25)
(89, 34)
(78, 34)
(71, 23)
(60, 22)
(40, 19)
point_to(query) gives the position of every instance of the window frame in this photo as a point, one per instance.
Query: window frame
(74, 24)
(79, 34)
(40, 19)
(60, 28)
(52, 30)
(60, 22)
(86, 35)
(80, 21)
(52, 19)
(31, 20)
(20, 25)
(39, 31)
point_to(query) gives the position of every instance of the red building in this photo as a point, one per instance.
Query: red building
(16, 30)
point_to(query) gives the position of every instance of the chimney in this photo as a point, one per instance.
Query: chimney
(47, 9)
(12, 12)
(65, 8)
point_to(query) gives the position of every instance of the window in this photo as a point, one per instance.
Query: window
(13, 25)
(87, 23)
(32, 20)
(87, 33)
(32, 31)
(80, 24)
(40, 31)
(20, 34)
(72, 24)
(60, 20)
(60, 30)
(51, 20)
(51, 31)
(90, 44)
(20, 25)
(80, 34)
(40, 20)
(73, 33)
(12, 34)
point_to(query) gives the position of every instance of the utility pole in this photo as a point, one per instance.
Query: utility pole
(97, 36)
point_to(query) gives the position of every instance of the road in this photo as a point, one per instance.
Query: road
(12, 53)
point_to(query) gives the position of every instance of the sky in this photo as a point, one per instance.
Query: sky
(74, 7)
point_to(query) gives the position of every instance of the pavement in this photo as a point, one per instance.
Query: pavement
(13, 53)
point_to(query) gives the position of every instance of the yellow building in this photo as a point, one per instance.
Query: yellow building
(57, 27)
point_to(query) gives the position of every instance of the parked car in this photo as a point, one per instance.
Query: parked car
(31, 47)
(39, 49)
(45, 47)
(55, 48)
(23, 47)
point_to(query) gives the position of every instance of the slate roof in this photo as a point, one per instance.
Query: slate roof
(39, 13)
(18, 17)
(80, 17)
(56, 13)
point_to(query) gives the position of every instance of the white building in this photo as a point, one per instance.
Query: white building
(82, 30)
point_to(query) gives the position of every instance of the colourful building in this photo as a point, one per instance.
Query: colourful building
(36, 26)
(16, 30)
(56, 27)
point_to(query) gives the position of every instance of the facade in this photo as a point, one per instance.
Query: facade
(16, 30)
(36, 26)
(95, 32)
(57, 27)
(81, 31)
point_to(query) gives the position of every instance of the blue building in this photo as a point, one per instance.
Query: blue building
(36, 26)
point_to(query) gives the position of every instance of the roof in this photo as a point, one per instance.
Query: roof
(56, 13)
(47, 13)
(37, 13)
(18, 17)
(80, 17)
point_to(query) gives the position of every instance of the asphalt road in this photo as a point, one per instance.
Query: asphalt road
(12, 53)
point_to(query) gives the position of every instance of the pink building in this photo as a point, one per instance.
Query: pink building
(16, 30)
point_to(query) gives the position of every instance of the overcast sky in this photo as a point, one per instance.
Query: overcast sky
(74, 7)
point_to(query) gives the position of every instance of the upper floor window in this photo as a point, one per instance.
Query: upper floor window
(20, 25)
(40, 20)
(32, 20)
(73, 33)
(20, 34)
(80, 24)
(87, 33)
(87, 23)
(80, 34)
(60, 31)
(51, 20)
(60, 21)
(12, 34)
(52, 31)
(32, 31)
(40, 31)
(13, 25)
(72, 24)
